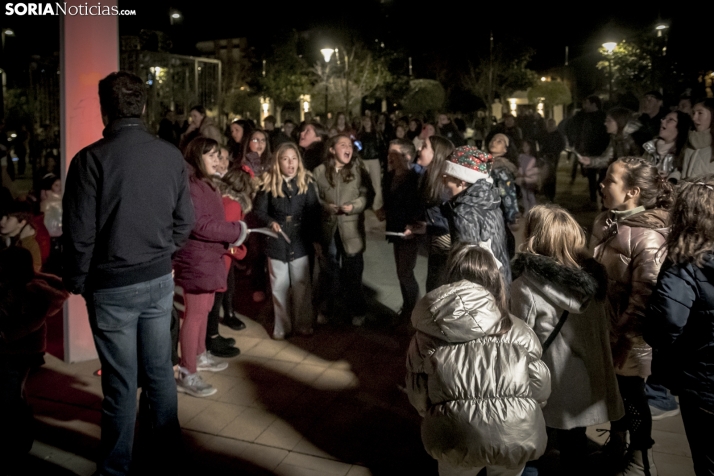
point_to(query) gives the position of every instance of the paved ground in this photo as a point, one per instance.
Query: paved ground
(331, 404)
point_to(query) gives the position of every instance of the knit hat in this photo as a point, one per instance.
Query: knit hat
(469, 164)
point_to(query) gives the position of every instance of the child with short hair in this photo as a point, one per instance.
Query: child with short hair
(287, 203)
(559, 291)
(475, 373)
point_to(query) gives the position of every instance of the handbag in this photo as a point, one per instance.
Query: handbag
(556, 330)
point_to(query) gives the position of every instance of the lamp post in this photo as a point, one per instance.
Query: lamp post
(327, 54)
(609, 47)
(174, 16)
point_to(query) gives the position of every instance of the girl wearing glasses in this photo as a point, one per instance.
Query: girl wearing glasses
(256, 152)
(663, 150)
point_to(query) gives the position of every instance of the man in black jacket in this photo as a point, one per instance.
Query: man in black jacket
(127, 209)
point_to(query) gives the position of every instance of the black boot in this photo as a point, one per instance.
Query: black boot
(233, 322)
(220, 347)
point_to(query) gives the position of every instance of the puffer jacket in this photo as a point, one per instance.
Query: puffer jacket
(584, 387)
(474, 216)
(621, 145)
(680, 329)
(663, 162)
(631, 250)
(358, 192)
(480, 395)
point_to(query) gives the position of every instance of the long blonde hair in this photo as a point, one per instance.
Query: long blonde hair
(272, 179)
(552, 231)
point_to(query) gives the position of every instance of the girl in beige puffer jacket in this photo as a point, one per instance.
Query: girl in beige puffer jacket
(475, 373)
(628, 241)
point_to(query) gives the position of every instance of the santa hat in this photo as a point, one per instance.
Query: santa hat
(469, 164)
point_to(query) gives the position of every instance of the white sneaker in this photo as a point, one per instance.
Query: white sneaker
(194, 385)
(658, 414)
(206, 362)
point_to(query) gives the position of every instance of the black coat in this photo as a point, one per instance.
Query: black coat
(297, 214)
(401, 201)
(475, 216)
(680, 329)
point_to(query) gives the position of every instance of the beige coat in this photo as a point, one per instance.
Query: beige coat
(480, 395)
(632, 252)
(358, 192)
(584, 387)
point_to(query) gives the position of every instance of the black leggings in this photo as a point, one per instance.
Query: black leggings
(638, 419)
(222, 300)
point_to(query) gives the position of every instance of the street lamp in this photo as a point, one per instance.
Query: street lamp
(175, 16)
(609, 47)
(327, 54)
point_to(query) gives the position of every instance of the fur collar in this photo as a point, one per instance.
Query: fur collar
(588, 281)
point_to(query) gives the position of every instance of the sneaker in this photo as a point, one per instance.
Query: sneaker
(640, 463)
(658, 414)
(206, 362)
(220, 347)
(358, 321)
(225, 341)
(194, 385)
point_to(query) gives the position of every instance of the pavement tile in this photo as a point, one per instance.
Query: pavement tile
(214, 418)
(322, 465)
(252, 422)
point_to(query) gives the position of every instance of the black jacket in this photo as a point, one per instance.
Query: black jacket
(314, 155)
(401, 201)
(127, 209)
(680, 329)
(475, 216)
(297, 214)
(587, 133)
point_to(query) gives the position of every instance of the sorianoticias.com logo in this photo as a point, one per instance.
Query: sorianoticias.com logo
(56, 9)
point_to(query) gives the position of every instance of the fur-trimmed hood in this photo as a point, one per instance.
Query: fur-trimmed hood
(569, 288)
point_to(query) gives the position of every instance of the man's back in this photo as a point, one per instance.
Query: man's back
(129, 208)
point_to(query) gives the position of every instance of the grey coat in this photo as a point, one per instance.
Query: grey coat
(584, 387)
(480, 395)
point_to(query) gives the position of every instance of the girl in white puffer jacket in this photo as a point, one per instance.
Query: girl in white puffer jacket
(475, 373)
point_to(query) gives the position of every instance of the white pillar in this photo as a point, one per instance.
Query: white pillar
(89, 50)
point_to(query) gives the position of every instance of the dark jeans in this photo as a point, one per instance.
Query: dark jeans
(341, 278)
(658, 396)
(698, 427)
(131, 328)
(405, 257)
(638, 419)
(550, 178)
(573, 446)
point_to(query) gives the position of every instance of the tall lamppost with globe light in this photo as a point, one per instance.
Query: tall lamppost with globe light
(327, 55)
(609, 47)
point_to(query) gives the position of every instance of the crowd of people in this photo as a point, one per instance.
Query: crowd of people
(510, 346)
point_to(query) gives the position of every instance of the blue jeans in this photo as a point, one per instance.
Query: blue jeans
(131, 332)
(658, 396)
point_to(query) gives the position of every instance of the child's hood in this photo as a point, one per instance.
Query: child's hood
(458, 312)
(568, 288)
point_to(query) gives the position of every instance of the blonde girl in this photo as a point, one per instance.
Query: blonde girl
(287, 203)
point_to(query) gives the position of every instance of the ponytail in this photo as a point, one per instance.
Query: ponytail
(655, 190)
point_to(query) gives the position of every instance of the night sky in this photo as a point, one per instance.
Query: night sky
(446, 35)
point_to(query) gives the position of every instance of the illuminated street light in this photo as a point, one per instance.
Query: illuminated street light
(175, 16)
(8, 32)
(327, 54)
(609, 46)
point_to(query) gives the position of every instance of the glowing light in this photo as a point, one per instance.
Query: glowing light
(543, 78)
(661, 26)
(327, 54)
(175, 15)
(609, 46)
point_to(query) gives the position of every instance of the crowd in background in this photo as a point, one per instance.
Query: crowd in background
(601, 330)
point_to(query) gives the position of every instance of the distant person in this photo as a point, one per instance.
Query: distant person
(276, 135)
(685, 105)
(240, 129)
(200, 125)
(313, 137)
(651, 117)
(126, 211)
(509, 128)
(552, 144)
(588, 136)
(665, 149)
(697, 158)
(446, 128)
(168, 130)
(17, 230)
(427, 130)
(373, 155)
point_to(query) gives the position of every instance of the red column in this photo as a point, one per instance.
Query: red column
(89, 50)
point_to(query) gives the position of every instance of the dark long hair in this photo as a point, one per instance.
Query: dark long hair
(347, 171)
(692, 215)
(468, 261)
(684, 125)
(194, 157)
(265, 156)
(442, 148)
